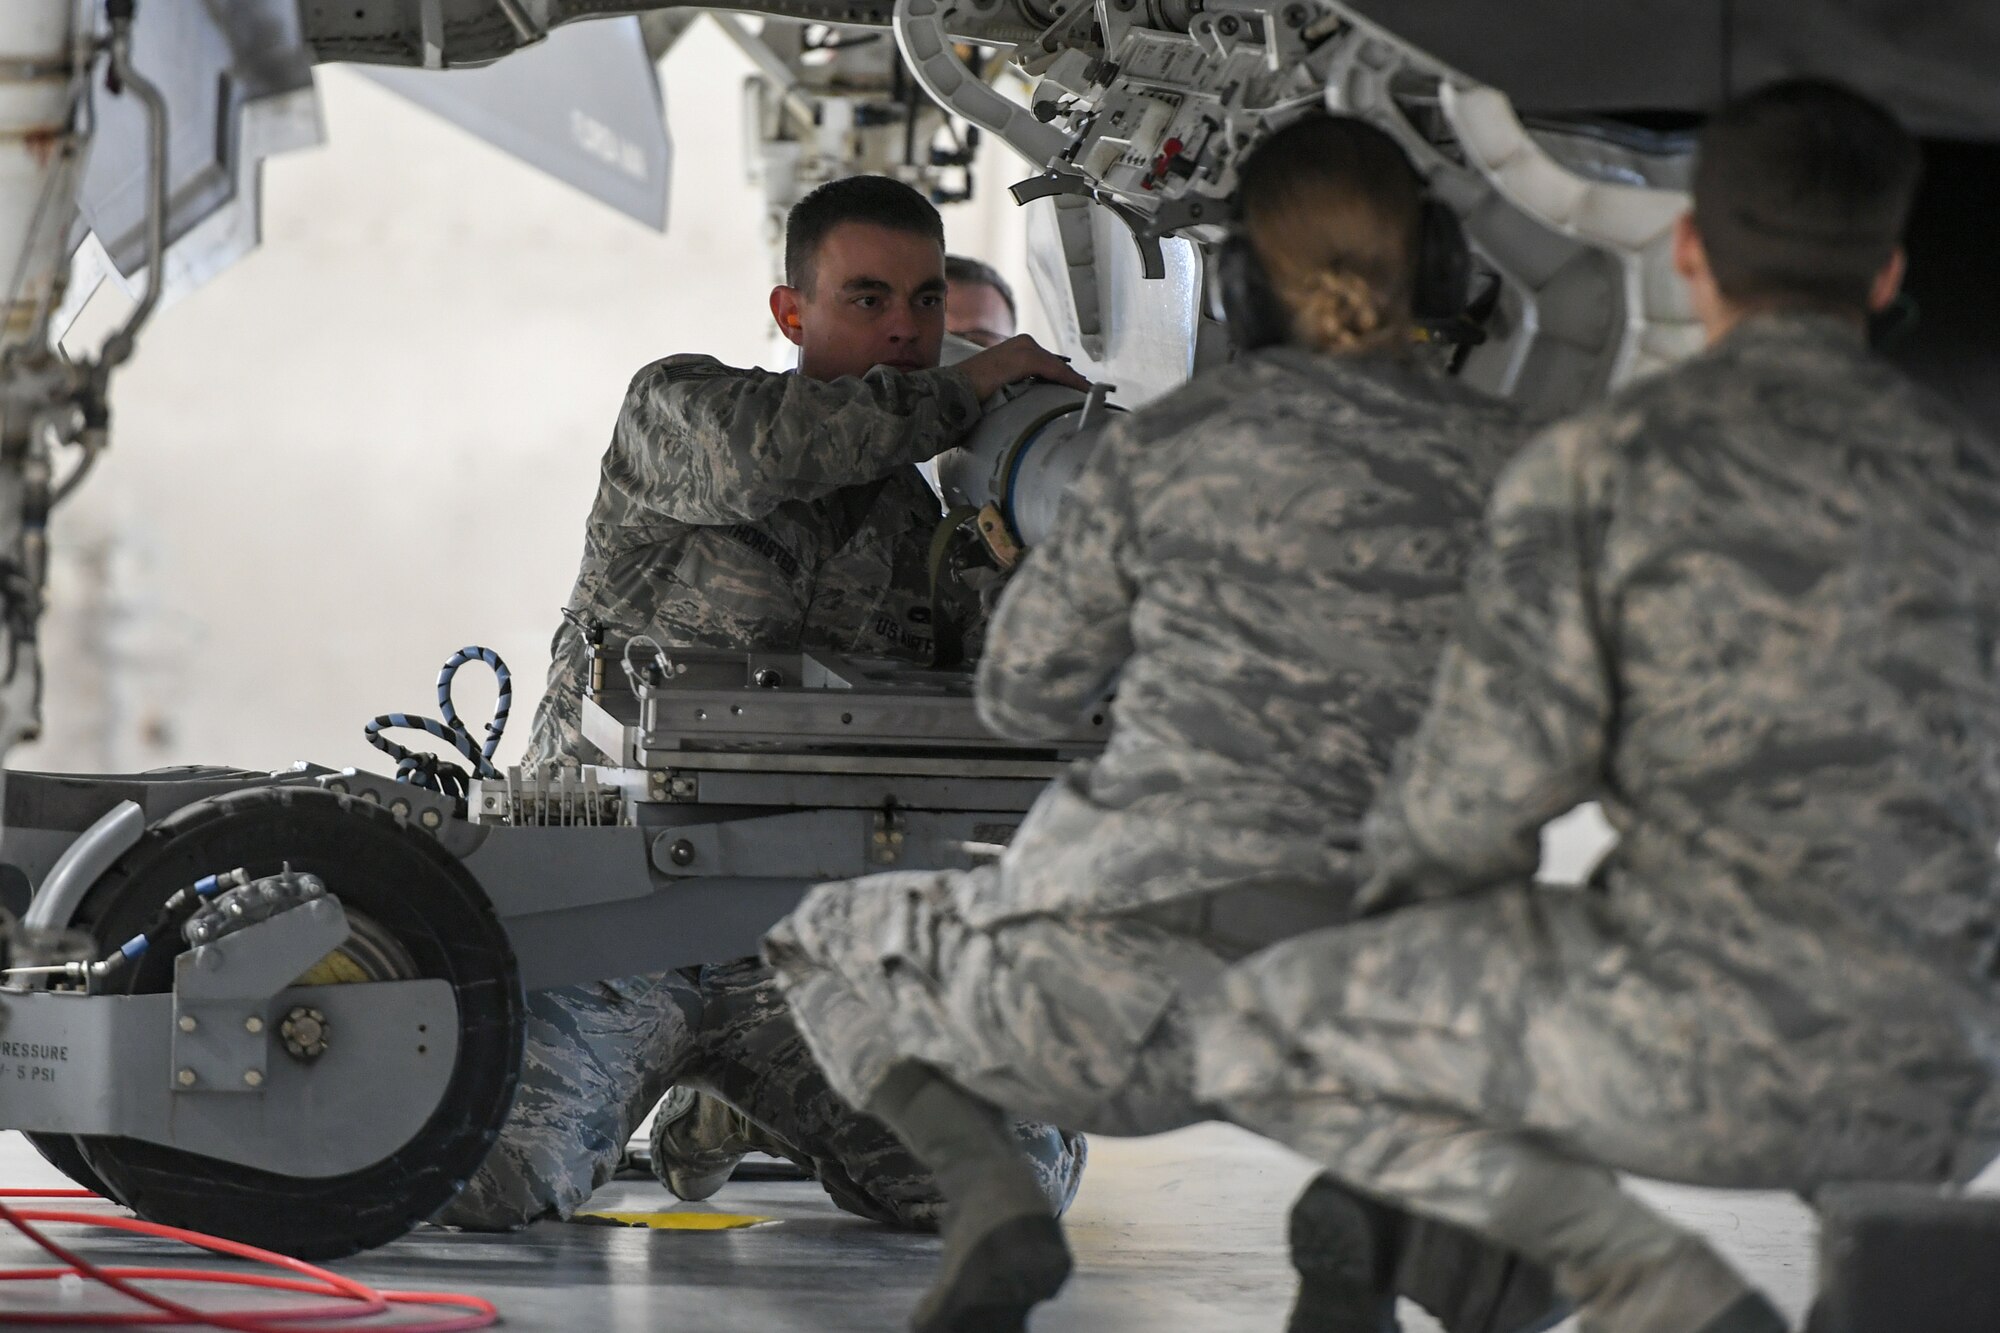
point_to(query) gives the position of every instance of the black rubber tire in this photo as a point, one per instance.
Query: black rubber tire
(401, 877)
(65, 1154)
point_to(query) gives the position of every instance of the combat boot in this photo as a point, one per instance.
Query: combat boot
(1004, 1251)
(697, 1141)
(1470, 1284)
(1342, 1247)
(1355, 1257)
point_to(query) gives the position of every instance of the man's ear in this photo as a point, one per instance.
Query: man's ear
(1888, 283)
(1690, 258)
(785, 302)
(1704, 297)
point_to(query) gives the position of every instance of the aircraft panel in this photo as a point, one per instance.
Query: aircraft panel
(583, 106)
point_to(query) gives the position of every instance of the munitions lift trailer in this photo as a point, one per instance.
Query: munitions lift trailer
(315, 1034)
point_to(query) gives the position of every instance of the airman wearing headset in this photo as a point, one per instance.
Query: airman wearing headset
(1750, 605)
(1267, 562)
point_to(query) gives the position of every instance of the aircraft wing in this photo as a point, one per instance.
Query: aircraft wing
(583, 106)
(1932, 62)
(238, 83)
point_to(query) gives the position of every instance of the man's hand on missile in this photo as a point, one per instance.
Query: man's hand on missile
(1018, 358)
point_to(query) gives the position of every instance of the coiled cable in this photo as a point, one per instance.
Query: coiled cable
(433, 771)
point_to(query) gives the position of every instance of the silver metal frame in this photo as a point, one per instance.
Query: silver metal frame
(756, 776)
(202, 1068)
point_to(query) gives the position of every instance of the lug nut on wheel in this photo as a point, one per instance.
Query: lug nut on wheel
(304, 1032)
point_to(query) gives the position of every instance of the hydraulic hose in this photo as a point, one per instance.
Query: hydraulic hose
(353, 1302)
(426, 770)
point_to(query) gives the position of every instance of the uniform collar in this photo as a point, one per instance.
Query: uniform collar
(1797, 326)
(1387, 359)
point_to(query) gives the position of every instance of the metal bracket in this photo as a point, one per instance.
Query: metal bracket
(1079, 251)
(222, 992)
(429, 810)
(1634, 224)
(1590, 288)
(1050, 182)
(920, 35)
(1068, 30)
(771, 67)
(1094, 404)
(1146, 234)
(885, 843)
(97, 1064)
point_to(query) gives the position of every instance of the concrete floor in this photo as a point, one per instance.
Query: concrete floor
(1178, 1234)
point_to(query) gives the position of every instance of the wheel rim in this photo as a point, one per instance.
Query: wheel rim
(416, 912)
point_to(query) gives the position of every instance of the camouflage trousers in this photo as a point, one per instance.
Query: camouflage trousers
(1487, 1061)
(558, 731)
(1073, 1019)
(1079, 1019)
(599, 1057)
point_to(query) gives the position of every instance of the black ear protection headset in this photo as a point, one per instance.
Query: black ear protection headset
(1253, 315)
(1257, 316)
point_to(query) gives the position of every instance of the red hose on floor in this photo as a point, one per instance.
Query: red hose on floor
(354, 1305)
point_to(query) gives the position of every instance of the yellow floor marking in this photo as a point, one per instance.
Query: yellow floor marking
(679, 1221)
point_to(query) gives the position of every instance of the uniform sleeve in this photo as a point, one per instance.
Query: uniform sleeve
(1518, 726)
(701, 442)
(1063, 626)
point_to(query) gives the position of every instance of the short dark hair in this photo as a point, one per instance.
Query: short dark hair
(1801, 190)
(880, 201)
(964, 269)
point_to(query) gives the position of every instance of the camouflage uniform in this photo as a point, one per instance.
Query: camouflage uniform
(1268, 560)
(1752, 607)
(744, 508)
(737, 508)
(599, 1057)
